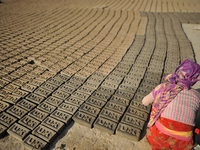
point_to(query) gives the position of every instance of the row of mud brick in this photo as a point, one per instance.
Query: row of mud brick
(53, 79)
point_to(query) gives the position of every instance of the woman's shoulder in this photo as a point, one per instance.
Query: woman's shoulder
(191, 92)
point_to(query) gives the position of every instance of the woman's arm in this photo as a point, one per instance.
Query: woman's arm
(148, 99)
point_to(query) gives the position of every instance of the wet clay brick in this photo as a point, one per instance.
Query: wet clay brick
(42, 92)
(105, 125)
(18, 131)
(62, 116)
(91, 84)
(2, 130)
(49, 86)
(36, 82)
(29, 122)
(124, 94)
(6, 119)
(109, 85)
(60, 94)
(140, 106)
(4, 106)
(3, 83)
(119, 100)
(45, 133)
(32, 142)
(129, 132)
(29, 87)
(116, 107)
(77, 79)
(106, 90)
(130, 89)
(74, 101)
(17, 111)
(11, 87)
(80, 95)
(66, 88)
(62, 77)
(111, 115)
(44, 106)
(101, 96)
(38, 114)
(137, 113)
(53, 124)
(84, 119)
(73, 84)
(132, 121)
(138, 97)
(4, 92)
(35, 98)
(86, 89)
(143, 91)
(25, 104)
(55, 81)
(95, 102)
(11, 98)
(20, 93)
(89, 109)
(54, 101)
(71, 109)
(19, 82)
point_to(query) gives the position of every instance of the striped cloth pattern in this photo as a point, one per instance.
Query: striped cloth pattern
(183, 107)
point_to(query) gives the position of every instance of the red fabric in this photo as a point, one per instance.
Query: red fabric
(196, 131)
(161, 141)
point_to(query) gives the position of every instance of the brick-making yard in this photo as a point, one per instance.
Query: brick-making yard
(73, 72)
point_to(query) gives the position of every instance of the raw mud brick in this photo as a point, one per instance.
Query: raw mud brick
(17, 111)
(111, 115)
(74, 101)
(66, 88)
(71, 109)
(140, 106)
(138, 97)
(113, 80)
(147, 86)
(17, 74)
(150, 82)
(143, 91)
(28, 87)
(119, 100)
(62, 77)
(124, 94)
(55, 81)
(18, 131)
(120, 71)
(101, 96)
(94, 79)
(4, 92)
(19, 82)
(42, 92)
(60, 94)
(91, 84)
(38, 114)
(77, 79)
(3, 106)
(35, 98)
(20, 93)
(25, 104)
(3, 130)
(11, 87)
(133, 121)
(89, 109)
(53, 124)
(9, 78)
(106, 90)
(85, 89)
(45, 133)
(137, 113)
(27, 77)
(44, 106)
(11, 98)
(95, 102)
(36, 82)
(128, 132)
(115, 107)
(6, 119)
(3, 82)
(80, 95)
(54, 101)
(62, 116)
(109, 85)
(83, 119)
(49, 86)
(29, 122)
(105, 125)
(32, 142)
(130, 89)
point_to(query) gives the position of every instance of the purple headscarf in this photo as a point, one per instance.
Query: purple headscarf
(185, 76)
